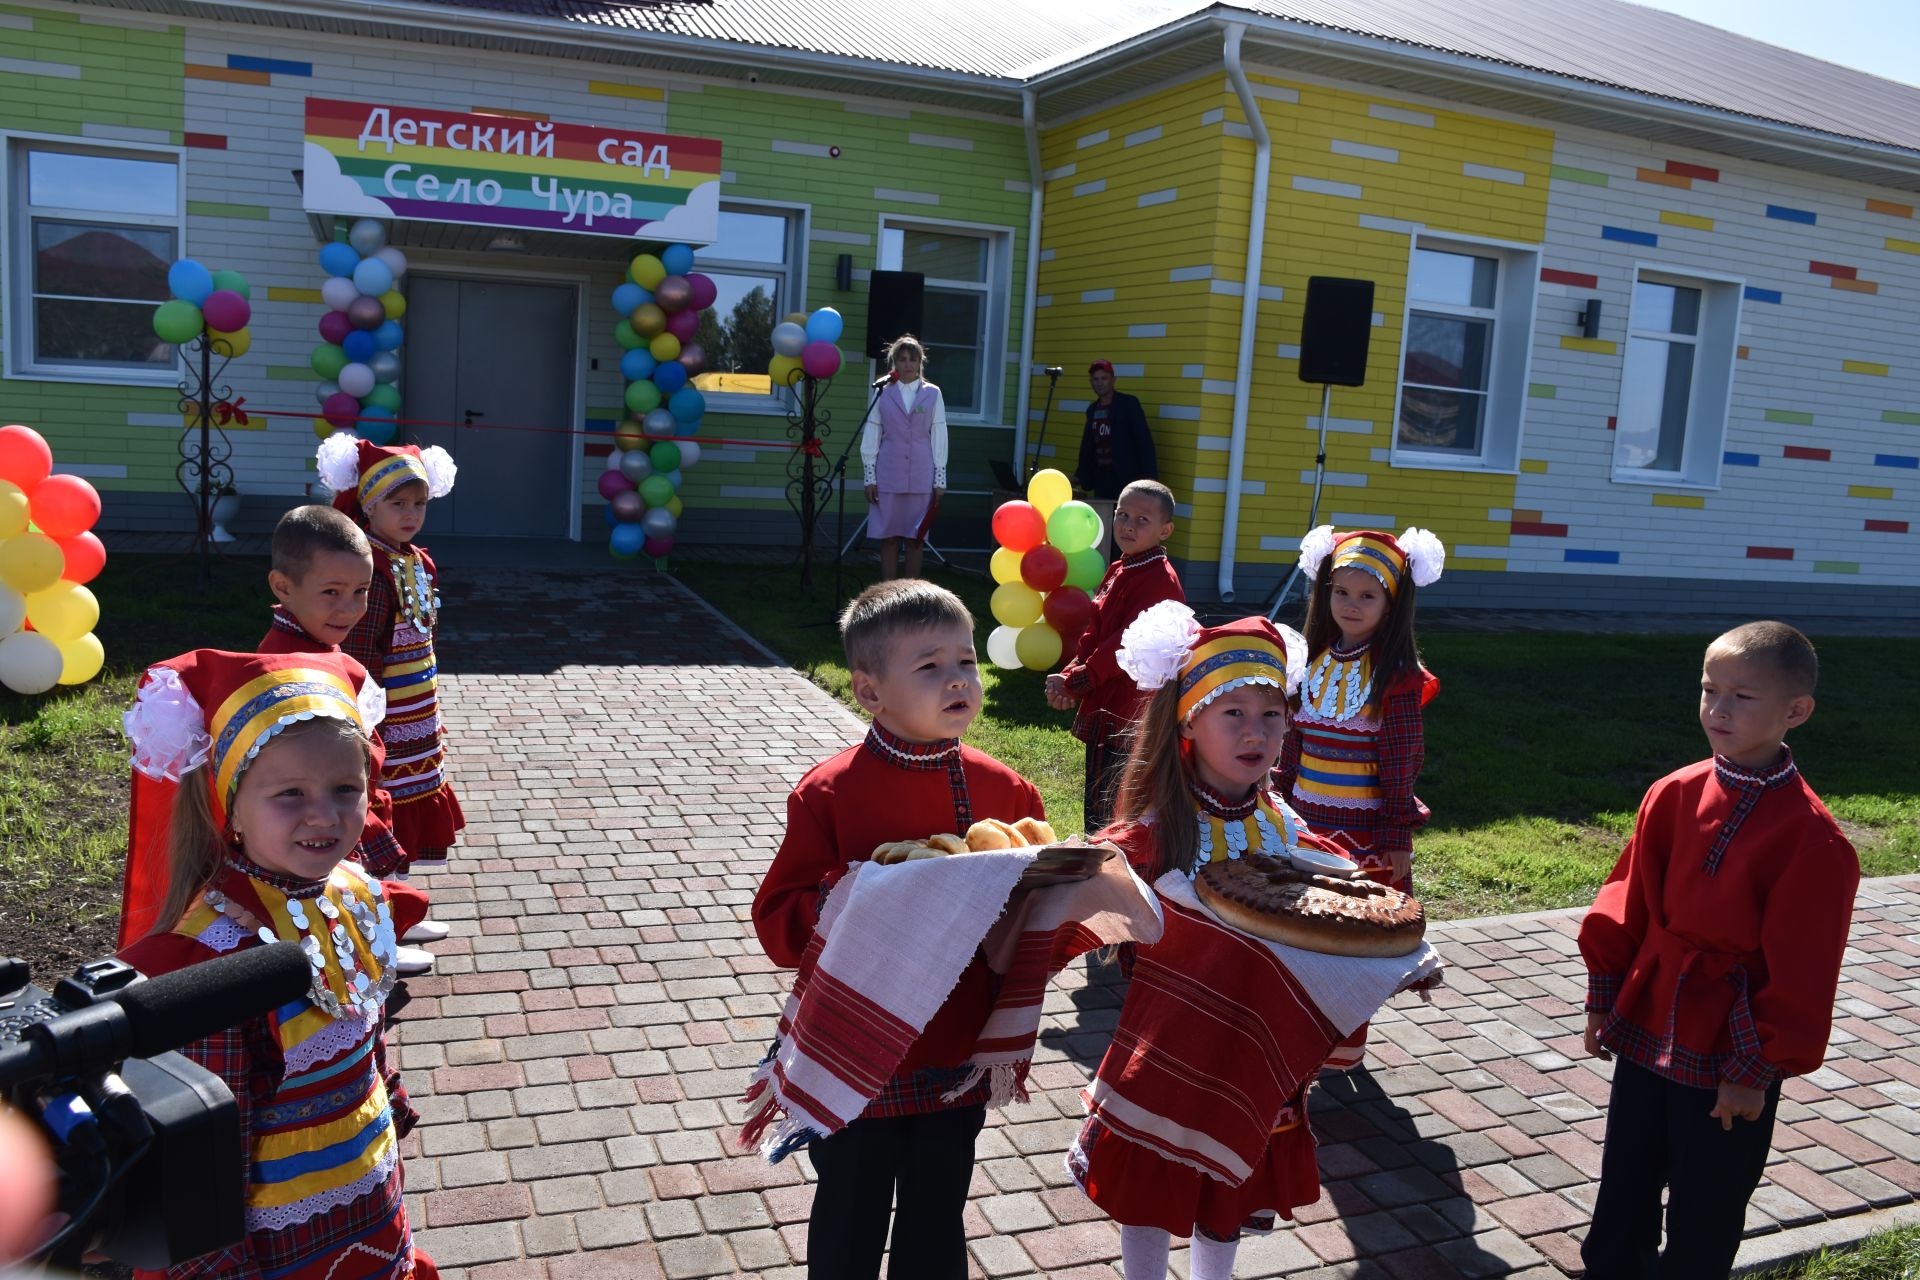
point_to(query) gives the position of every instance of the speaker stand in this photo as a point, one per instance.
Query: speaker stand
(1313, 512)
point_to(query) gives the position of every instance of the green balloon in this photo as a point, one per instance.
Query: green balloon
(178, 321)
(657, 490)
(328, 360)
(1073, 526)
(232, 280)
(642, 397)
(624, 335)
(384, 396)
(1085, 569)
(665, 457)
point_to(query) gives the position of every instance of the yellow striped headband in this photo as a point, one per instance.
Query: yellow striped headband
(1390, 560)
(388, 474)
(260, 708)
(1249, 651)
(1374, 553)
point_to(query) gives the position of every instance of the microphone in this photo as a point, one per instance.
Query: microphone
(158, 1015)
(880, 382)
(1053, 371)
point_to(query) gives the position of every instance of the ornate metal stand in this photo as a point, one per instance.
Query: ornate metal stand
(808, 481)
(204, 468)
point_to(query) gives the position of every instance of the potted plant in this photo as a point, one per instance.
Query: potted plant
(226, 506)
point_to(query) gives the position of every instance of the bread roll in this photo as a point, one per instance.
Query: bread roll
(948, 843)
(1036, 831)
(989, 833)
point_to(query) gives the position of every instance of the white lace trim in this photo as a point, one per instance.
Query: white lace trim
(373, 704)
(280, 1217)
(330, 1041)
(167, 727)
(222, 935)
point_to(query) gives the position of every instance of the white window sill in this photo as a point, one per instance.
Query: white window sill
(1441, 462)
(99, 377)
(1663, 480)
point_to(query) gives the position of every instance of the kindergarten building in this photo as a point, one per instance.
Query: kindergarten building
(1644, 329)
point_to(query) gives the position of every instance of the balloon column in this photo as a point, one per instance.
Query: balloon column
(1045, 566)
(659, 305)
(804, 344)
(47, 556)
(358, 359)
(211, 302)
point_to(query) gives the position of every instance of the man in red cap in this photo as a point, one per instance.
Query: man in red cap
(1116, 448)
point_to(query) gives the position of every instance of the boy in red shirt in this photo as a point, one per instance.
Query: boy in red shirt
(910, 648)
(1713, 957)
(1104, 699)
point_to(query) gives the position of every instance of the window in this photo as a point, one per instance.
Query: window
(1675, 383)
(1464, 357)
(964, 326)
(92, 234)
(753, 266)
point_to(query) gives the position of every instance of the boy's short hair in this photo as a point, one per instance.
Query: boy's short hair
(305, 531)
(1159, 491)
(876, 618)
(1780, 647)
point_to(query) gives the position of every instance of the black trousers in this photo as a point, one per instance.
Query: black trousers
(1660, 1134)
(1106, 762)
(912, 1169)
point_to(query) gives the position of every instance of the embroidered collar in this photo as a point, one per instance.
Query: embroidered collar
(292, 886)
(1210, 803)
(283, 620)
(897, 751)
(1340, 649)
(392, 549)
(1138, 559)
(1736, 777)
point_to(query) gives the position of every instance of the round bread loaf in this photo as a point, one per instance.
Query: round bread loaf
(1269, 899)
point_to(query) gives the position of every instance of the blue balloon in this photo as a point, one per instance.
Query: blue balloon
(686, 405)
(190, 281)
(637, 364)
(375, 412)
(628, 296)
(339, 260)
(627, 539)
(669, 376)
(388, 336)
(377, 432)
(372, 277)
(677, 259)
(825, 325)
(359, 345)
(673, 478)
(613, 521)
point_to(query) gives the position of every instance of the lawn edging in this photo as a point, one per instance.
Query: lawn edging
(1765, 1256)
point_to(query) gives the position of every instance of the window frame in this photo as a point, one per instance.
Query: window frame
(17, 309)
(800, 216)
(995, 311)
(1716, 351)
(1509, 358)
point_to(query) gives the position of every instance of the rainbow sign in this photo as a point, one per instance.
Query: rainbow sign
(368, 160)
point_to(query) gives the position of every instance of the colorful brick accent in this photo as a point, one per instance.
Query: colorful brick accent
(1769, 553)
(1784, 214)
(1878, 492)
(1575, 555)
(1627, 235)
(1890, 208)
(1674, 218)
(269, 66)
(1885, 526)
(1870, 368)
(1754, 293)
(1578, 279)
(1699, 172)
(1896, 460)
(1807, 453)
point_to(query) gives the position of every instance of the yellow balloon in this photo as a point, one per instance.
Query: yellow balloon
(664, 347)
(784, 370)
(1048, 489)
(234, 343)
(675, 506)
(395, 303)
(1005, 565)
(31, 562)
(322, 428)
(1038, 647)
(64, 611)
(647, 271)
(1016, 604)
(80, 658)
(13, 611)
(13, 509)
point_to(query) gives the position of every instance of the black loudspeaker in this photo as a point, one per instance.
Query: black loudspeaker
(896, 304)
(1334, 336)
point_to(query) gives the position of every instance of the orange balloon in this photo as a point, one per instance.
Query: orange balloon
(86, 557)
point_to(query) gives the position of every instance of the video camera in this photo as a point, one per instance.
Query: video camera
(146, 1140)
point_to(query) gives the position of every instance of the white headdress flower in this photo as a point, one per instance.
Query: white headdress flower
(167, 727)
(440, 470)
(1315, 548)
(338, 461)
(1155, 645)
(1426, 555)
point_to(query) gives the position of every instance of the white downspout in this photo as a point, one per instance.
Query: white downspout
(1029, 115)
(1249, 302)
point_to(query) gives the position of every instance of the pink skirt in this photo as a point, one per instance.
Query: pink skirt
(898, 515)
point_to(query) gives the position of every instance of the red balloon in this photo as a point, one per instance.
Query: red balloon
(64, 506)
(25, 457)
(657, 547)
(1043, 568)
(1018, 526)
(86, 557)
(1068, 610)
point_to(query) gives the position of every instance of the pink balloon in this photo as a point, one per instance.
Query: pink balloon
(340, 409)
(334, 327)
(704, 291)
(673, 293)
(684, 324)
(226, 310)
(657, 547)
(694, 357)
(612, 484)
(820, 359)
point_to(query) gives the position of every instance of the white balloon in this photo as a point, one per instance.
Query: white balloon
(366, 236)
(1003, 648)
(339, 292)
(613, 460)
(689, 453)
(356, 380)
(29, 662)
(396, 261)
(13, 610)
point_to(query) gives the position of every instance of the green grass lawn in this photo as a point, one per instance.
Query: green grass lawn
(1539, 747)
(1892, 1255)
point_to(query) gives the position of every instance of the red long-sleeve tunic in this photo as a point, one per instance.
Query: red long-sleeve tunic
(1109, 699)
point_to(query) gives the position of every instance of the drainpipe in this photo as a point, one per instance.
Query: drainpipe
(1029, 116)
(1249, 301)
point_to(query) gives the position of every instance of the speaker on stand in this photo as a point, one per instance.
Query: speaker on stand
(896, 304)
(1333, 352)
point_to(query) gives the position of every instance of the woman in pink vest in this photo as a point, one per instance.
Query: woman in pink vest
(904, 454)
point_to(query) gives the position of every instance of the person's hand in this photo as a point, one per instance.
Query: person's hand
(28, 1181)
(1737, 1102)
(873, 494)
(1595, 1021)
(1057, 695)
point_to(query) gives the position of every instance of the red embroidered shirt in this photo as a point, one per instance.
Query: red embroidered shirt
(1109, 699)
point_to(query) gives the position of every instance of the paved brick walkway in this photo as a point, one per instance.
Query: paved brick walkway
(578, 1057)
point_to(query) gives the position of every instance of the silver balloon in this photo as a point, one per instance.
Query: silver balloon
(629, 506)
(396, 261)
(613, 460)
(385, 366)
(789, 339)
(635, 465)
(689, 453)
(659, 523)
(367, 236)
(660, 422)
(324, 390)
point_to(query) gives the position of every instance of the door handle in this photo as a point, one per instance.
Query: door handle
(470, 415)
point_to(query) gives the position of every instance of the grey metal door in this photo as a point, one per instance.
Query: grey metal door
(499, 354)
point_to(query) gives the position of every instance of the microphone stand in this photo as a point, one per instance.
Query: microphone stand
(1279, 600)
(840, 479)
(1027, 463)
